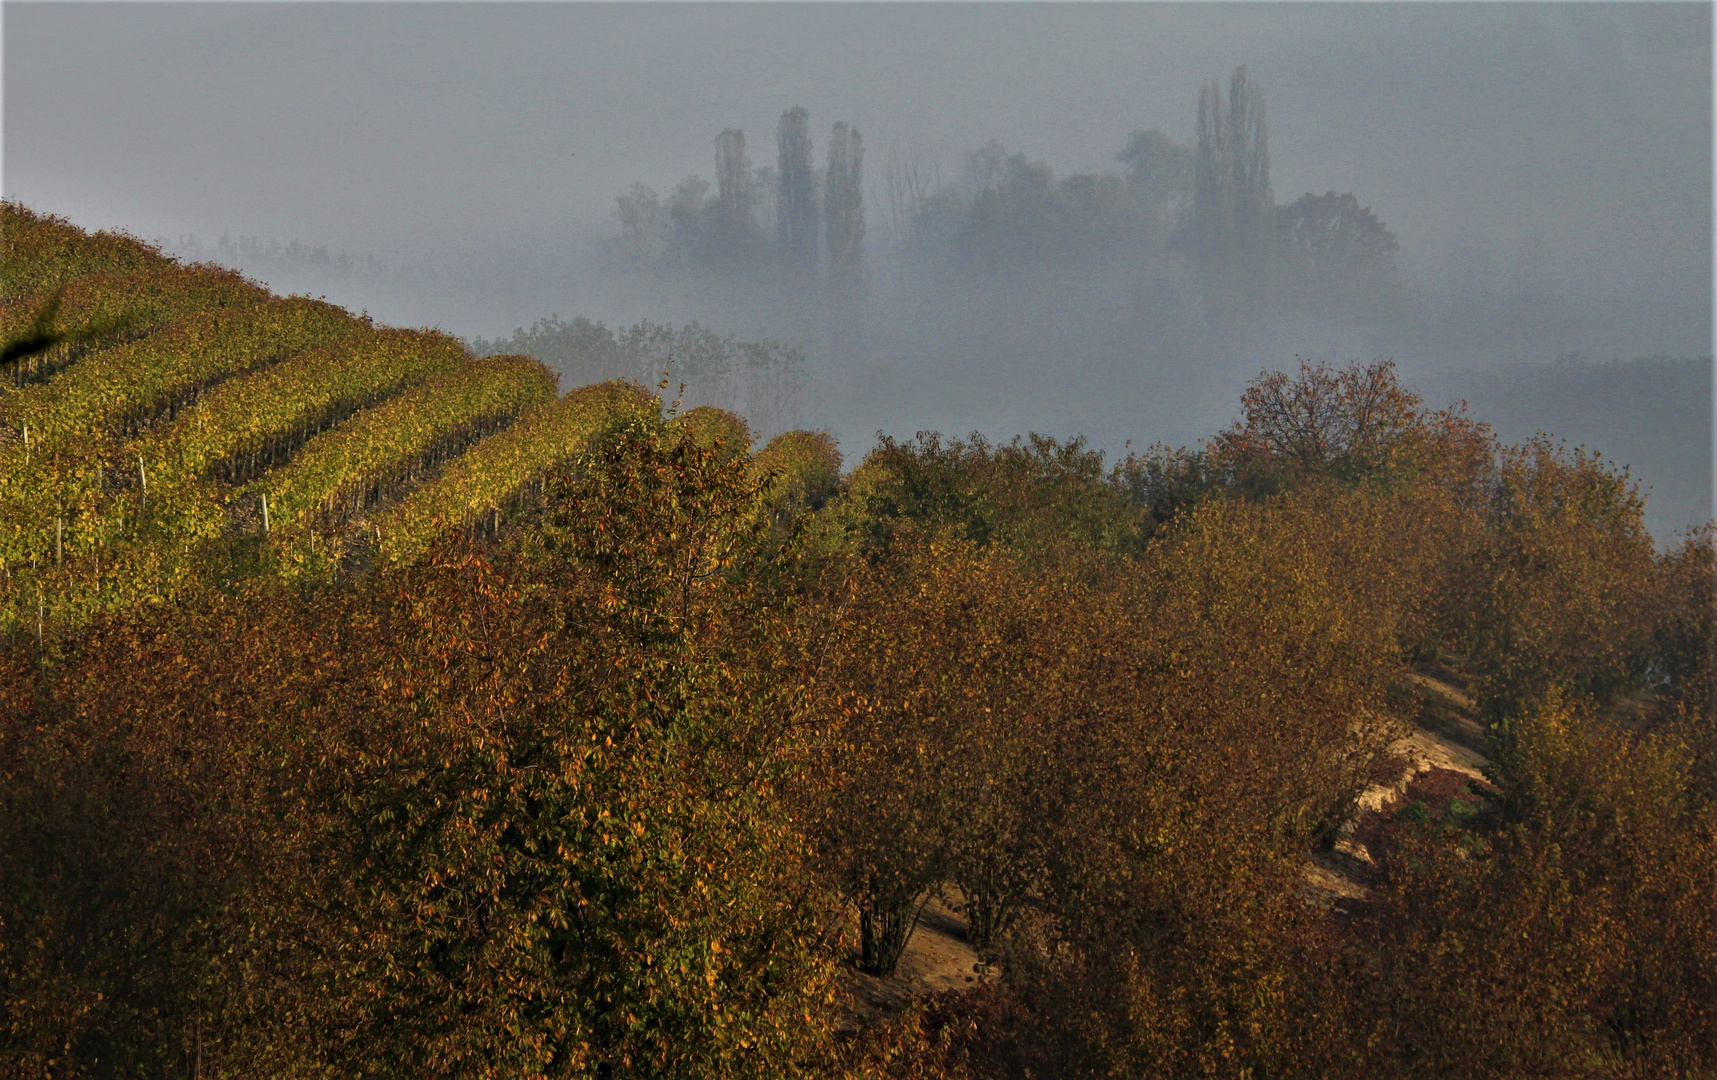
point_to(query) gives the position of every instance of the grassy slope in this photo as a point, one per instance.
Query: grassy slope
(132, 452)
(137, 454)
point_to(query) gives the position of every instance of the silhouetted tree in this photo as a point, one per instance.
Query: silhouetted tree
(796, 195)
(909, 185)
(1336, 253)
(689, 235)
(642, 216)
(1011, 211)
(1160, 173)
(1233, 207)
(734, 224)
(843, 201)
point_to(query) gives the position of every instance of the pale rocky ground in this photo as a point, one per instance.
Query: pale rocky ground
(1446, 735)
(938, 959)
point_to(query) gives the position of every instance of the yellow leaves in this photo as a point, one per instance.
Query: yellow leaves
(251, 414)
(389, 439)
(500, 467)
(133, 381)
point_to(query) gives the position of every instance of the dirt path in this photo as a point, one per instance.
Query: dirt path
(1444, 750)
(1445, 746)
(938, 959)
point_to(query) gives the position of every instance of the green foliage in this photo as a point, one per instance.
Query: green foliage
(504, 470)
(255, 421)
(1165, 482)
(124, 387)
(716, 429)
(156, 386)
(799, 472)
(103, 311)
(38, 252)
(361, 460)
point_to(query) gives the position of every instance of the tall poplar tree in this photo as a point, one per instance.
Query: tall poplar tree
(1234, 209)
(843, 201)
(734, 224)
(796, 195)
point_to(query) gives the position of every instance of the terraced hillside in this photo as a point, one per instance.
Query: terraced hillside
(168, 426)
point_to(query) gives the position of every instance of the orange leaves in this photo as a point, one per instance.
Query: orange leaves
(1347, 422)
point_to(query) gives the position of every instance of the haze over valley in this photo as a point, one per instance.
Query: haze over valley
(1543, 173)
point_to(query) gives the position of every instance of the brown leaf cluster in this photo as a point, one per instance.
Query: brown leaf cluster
(596, 794)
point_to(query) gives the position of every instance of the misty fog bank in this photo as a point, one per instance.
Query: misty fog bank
(1071, 351)
(1065, 219)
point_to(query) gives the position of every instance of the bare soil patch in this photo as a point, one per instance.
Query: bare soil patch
(938, 959)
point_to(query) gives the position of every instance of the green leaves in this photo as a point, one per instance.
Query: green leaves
(505, 468)
(383, 445)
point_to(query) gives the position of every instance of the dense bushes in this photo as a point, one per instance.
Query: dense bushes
(585, 792)
(497, 815)
(1572, 934)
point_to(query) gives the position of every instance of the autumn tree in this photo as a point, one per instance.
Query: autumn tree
(1684, 631)
(1225, 700)
(928, 766)
(1565, 930)
(1557, 593)
(1350, 423)
(497, 812)
(1036, 495)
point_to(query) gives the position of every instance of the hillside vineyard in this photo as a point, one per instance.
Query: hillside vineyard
(369, 707)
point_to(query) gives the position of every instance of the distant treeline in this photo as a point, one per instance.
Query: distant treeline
(263, 257)
(764, 381)
(791, 218)
(1204, 207)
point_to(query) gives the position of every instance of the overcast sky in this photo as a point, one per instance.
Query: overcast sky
(1580, 134)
